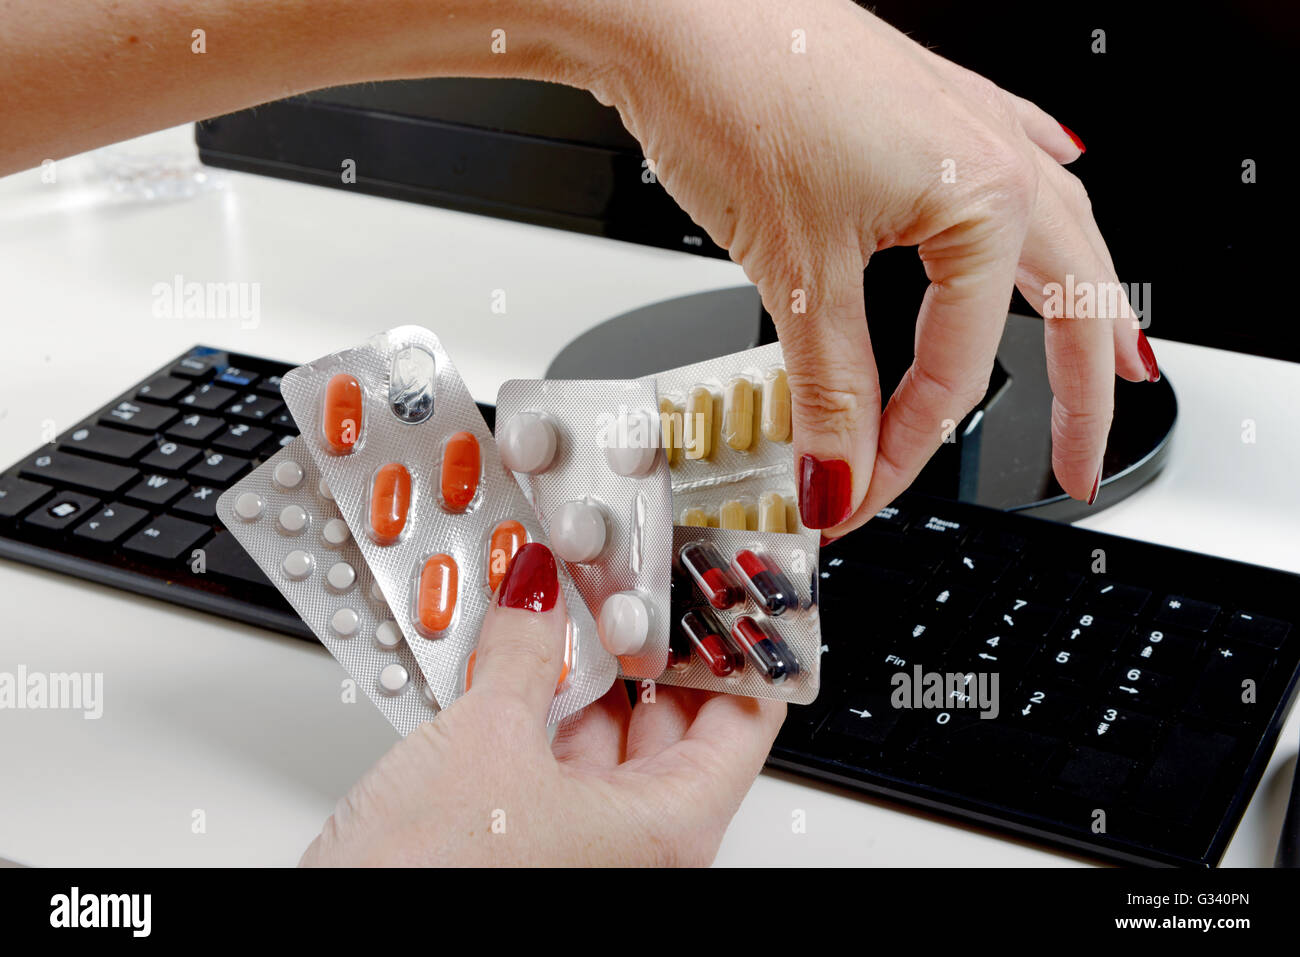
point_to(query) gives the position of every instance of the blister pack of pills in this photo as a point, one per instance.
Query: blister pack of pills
(586, 453)
(416, 475)
(749, 617)
(285, 518)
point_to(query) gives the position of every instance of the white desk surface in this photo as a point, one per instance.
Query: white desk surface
(202, 713)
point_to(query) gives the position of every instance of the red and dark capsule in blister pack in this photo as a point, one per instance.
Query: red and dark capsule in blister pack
(765, 648)
(710, 641)
(711, 575)
(765, 581)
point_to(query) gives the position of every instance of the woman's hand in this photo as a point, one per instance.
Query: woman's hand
(619, 786)
(802, 164)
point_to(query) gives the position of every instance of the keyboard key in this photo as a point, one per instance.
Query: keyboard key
(101, 440)
(77, 470)
(270, 385)
(980, 756)
(1050, 584)
(239, 378)
(916, 639)
(110, 523)
(1023, 618)
(226, 558)
(166, 537)
(243, 438)
(218, 469)
(869, 718)
(156, 490)
(1043, 707)
(164, 388)
(170, 457)
(944, 600)
(193, 367)
(17, 495)
(1087, 632)
(1270, 632)
(997, 540)
(282, 421)
(142, 416)
(1116, 598)
(1177, 783)
(976, 567)
(1097, 776)
(1140, 686)
(199, 502)
(1067, 663)
(61, 511)
(255, 408)
(1232, 686)
(1117, 727)
(1160, 649)
(984, 650)
(208, 397)
(195, 428)
(1187, 613)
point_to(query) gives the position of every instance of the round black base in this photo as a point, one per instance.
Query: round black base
(1005, 458)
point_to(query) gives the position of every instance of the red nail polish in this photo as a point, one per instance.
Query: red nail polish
(827, 540)
(1148, 358)
(825, 491)
(1074, 138)
(1096, 486)
(532, 581)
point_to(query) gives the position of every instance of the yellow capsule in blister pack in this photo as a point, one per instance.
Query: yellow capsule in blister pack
(670, 425)
(697, 429)
(738, 413)
(776, 405)
(732, 515)
(696, 518)
(771, 512)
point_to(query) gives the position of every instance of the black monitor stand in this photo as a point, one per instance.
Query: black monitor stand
(999, 455)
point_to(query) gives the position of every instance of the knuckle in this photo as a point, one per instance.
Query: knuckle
(959, 393)
(1075, 193)
(1010, 180)
(815, 402)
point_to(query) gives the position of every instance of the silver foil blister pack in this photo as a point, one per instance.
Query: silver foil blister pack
(285, 518)
(416, 474)
(726, 432)
(586, 453)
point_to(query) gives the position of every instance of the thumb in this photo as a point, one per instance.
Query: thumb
(520, 650)
(834, 391)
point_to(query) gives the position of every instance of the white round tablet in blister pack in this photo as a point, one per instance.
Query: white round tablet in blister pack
(274, 512)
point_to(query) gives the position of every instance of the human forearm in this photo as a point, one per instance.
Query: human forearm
(82, 73)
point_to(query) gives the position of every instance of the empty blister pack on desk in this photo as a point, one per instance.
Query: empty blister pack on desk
(586, 453)
(417, 477)
(285, 518)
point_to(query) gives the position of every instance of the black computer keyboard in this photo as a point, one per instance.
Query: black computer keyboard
(1140, 689)
(1121, 728)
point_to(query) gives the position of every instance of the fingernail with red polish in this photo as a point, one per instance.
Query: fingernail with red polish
(1148, 358)
(1074, 138)
(1096, 487)
(825, 491)
(827, 541)
(532, 581)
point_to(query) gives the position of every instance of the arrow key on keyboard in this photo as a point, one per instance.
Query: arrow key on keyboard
(110, 523)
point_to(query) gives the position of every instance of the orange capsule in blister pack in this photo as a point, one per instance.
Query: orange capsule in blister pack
(435, 598)
(461, 466)
(341, 413)
(390, 502)
(564, 673)
(507, 538)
